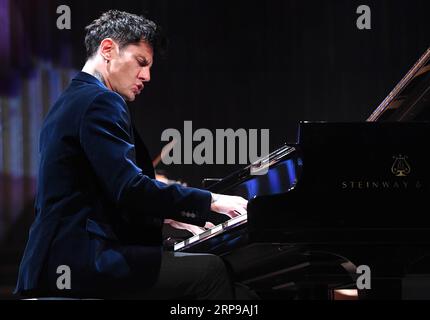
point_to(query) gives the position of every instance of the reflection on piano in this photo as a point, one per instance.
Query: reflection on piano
(345, 195)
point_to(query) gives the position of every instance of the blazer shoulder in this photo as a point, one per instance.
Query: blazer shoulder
(90, 91)
(106, 108)
(107, 96)
(93, 96)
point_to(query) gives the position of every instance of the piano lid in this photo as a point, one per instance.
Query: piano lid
(410, 99)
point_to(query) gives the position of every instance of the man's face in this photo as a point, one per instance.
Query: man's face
(129, 69)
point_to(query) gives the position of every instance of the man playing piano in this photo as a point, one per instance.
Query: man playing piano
(99, 210)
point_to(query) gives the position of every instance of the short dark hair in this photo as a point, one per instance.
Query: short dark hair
(123, 27)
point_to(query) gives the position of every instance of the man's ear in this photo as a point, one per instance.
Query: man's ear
(107, 48)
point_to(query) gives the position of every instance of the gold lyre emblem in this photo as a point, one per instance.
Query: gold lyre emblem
(400, 167)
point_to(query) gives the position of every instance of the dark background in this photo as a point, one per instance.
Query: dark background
(250, 64)
(230, 64)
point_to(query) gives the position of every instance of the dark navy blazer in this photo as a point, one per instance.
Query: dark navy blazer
(98, 210)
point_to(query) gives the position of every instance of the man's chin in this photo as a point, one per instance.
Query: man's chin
(129, 98)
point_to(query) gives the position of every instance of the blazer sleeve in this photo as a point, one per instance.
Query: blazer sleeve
(105, 136)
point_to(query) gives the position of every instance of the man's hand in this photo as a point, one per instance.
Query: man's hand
(185, 226)
(231, 206)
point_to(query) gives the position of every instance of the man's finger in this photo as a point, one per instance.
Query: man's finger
(232, 214)
(240, 210)
(243, 202)
(209, 225)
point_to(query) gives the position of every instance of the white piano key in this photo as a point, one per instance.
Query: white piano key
(236, 220)
(216, 229)
(193, 239)
(179, 245)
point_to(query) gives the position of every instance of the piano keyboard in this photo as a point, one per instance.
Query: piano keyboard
(218, 229)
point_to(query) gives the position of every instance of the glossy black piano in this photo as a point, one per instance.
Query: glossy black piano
(344, 197)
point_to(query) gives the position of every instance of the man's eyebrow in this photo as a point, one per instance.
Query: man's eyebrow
(143, 58)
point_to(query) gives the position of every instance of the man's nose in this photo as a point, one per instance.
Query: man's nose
(145, 75)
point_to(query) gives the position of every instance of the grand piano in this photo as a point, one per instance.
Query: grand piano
(346, 198)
